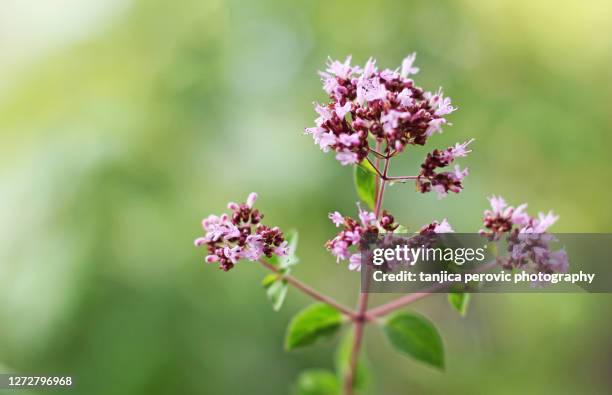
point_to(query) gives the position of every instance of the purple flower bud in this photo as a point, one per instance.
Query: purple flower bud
(211, 258)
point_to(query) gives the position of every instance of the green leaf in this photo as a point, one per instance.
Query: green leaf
(342, 361)
(365, 183)
(276, 289)
(290, 259)
(269, 279)
(459, 301)
(401, 229)
(317, 382)
(416, 336)
(276, 292)
(315, 321)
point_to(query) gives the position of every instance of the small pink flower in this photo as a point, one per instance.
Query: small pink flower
(519, 216)
(341, 111)
(325, 114)
(440, 190)
(352, 237)
(340, 250)
(444, 107)
(435, 126)
(367, 217)
(355, 262)
(443, 227)
(232, 253)
(370, 89)
(347, 158)
(458, 151)
(544, 222)
(326, 140)
(349, 140)
(390, 120)
(342, 70)
(407, 65)
(389, 75)
(498, 204)
(336, 218)
(315, 132)
(460, 174)
(369, 69)
(330, 84)
(558, 261)
(282, 250)
(251, 199)
(405, 98)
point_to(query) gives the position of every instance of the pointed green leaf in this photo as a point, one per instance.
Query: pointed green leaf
(459, 301)
(365, 183)
(416, 336)
(342, 361)
(315, 321)
(269, 279)
(276, 293)
(317, 382)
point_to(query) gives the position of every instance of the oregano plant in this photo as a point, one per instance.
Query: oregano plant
(372, 117)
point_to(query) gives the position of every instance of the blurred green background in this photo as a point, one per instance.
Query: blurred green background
(123, 123)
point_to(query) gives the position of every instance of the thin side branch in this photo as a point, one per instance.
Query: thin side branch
(381, 192)
(413, 297)
(310, 291)
(403, 301)
(400, 178)
(375, 167)
(378, 154)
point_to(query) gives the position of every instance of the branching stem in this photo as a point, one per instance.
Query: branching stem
(387, 308)
(362, 305)
(310, 291)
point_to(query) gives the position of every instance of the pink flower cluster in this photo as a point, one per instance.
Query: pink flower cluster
(436, 227)
(240, 236)
(502, 218)
(385, 103)
(353, 233)
(446, 181)
(527, 239)
(534, 248)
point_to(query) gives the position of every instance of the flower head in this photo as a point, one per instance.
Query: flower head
(384, 104)
(443, 182)
(351, 234)
(241, 235)
(502, 218)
